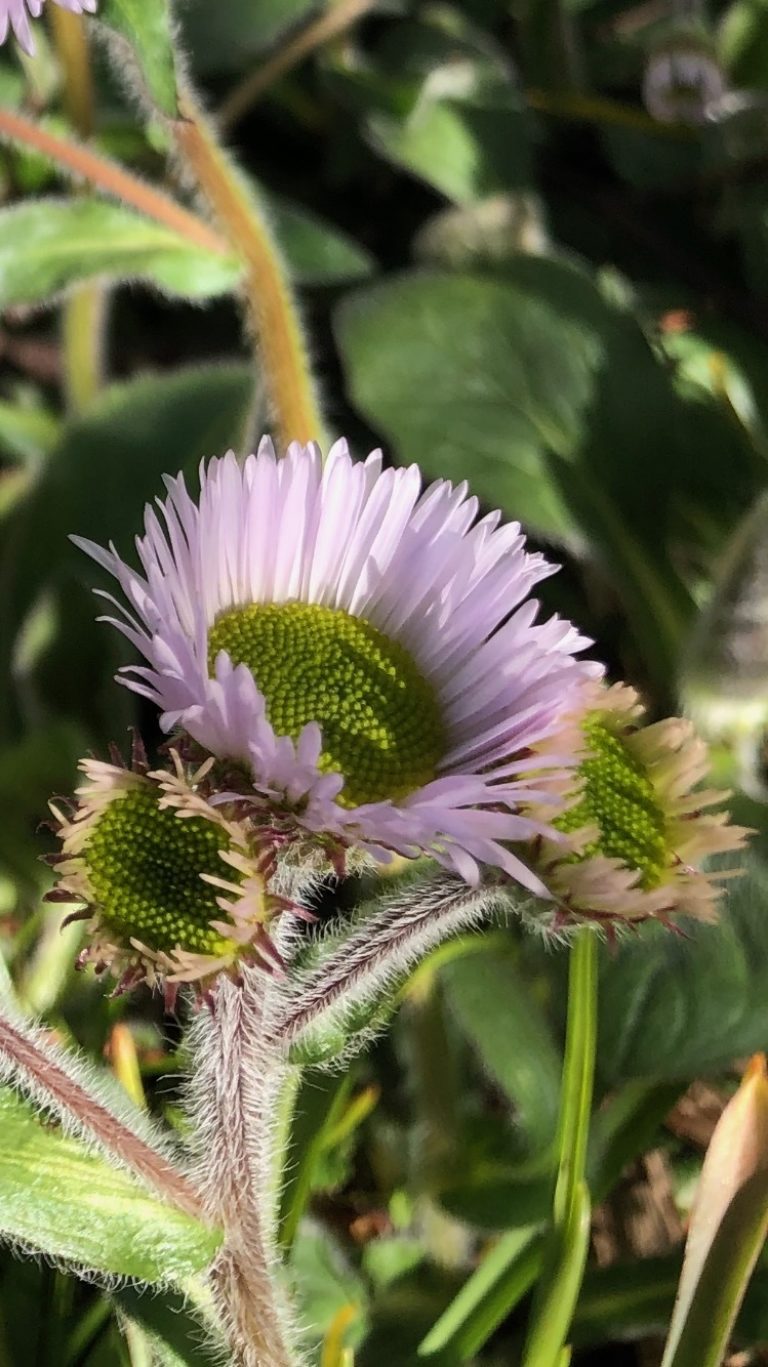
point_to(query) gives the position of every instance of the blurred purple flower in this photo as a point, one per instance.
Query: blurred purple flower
(14, 17)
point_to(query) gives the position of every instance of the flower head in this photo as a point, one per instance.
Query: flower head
(360, 652)
(174, 892)
(683, 79)
(14, 17)
(635, 821)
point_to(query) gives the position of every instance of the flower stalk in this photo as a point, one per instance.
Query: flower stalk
(568, 1241)
(233, 1093)
(271, 307)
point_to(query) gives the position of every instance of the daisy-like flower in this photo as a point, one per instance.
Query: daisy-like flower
(173, 890)
(363, 651)
(637, 822)
(14, 17)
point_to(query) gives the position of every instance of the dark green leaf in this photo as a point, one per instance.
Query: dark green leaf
(510, 1034)
(109, 463)
(679, 1006)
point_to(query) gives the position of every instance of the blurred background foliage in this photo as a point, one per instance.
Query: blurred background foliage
(531, 258)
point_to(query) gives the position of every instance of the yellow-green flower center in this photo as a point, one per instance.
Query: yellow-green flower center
(144, 866)
(619, 798)
(381, 722)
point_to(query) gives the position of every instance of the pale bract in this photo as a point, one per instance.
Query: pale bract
(362, 651)
(15, 16)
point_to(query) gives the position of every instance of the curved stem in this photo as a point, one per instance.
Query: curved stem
(105, 175)
(329, 24)
(271, 307)
(232, 1100)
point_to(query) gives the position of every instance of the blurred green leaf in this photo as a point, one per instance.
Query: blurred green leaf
(109, 463)
(144, 47)
(48, 245)
(224, 37)
(31, 770)
(682, 1006)
(319, 1105)
(317, 253)
(325, 1284)
(60, 1200)
(497, 1013)
(179, 1338)
(743, 43)
(550, 401)
(505, 1275)
(26, 433)
(465, 135)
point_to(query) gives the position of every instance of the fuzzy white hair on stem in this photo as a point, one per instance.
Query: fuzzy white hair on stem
(232, 1098)
(364, 964)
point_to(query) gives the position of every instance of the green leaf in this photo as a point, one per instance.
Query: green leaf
(465, 135)
(318, 1108)
(31, 769)
(326, 1285)
(505, 1275)
(489, 999)
(109, 463)
(727, 1228)
(224, 38)
(60, 1200)
(548, 398)
(48, 245)
(179, 1338)
(475, 379)
(682, 1006)
(317, 253)
(143, 30)
(26, 434)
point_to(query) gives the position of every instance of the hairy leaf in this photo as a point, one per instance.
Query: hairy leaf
(48, 245)
(57, 1198)
(143, 32)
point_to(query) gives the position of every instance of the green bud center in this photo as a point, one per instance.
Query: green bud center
(619, 798)
(144, 866)
(381, 722)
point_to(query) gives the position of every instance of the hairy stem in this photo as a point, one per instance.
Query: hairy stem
(84, 164)
(233, 1094)
(269, 298)
(329, 24)
(379, 950)
(33, 1065)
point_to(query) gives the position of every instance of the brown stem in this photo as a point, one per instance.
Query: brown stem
(111, 179)
(52, 1085)
(330, 24)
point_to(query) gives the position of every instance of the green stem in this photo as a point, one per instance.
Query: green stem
(568, 1240)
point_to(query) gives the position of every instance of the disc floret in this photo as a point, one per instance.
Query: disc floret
(174, 891)
(634, 824)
